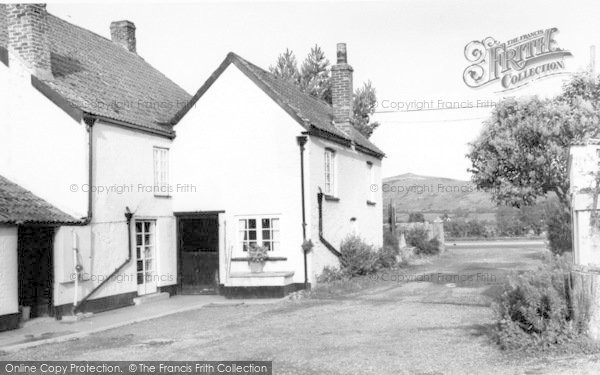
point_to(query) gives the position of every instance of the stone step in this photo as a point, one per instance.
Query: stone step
(149, 298)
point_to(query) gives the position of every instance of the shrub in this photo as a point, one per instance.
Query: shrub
(386, 257)
(533, 311)
(416, 217)
(431, 247)
(390, 240)
(331, 274)
(358, 258)
(558, 223)
(417, 237)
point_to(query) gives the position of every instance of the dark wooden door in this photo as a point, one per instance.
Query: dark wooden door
(199, 254)
(35, 249)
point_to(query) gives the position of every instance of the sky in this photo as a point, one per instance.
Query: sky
(411, 51)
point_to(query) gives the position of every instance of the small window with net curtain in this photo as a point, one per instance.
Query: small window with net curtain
(161, 171)
(330, 187)
(259, 231)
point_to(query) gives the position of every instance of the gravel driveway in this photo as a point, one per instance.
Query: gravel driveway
(436, 323)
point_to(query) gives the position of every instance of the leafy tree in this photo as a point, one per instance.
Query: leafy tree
(365, 102)
(314, 78)
(416, 217)
(286, 67)
(314, 75)
(522, 153)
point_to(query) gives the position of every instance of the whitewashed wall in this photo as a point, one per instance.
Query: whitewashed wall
(238, 148)
(41, 148)
(353, 191)
(122, 158)
(46, 151)
(9, 282)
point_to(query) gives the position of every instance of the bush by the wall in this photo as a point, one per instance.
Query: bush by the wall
(358, 257)
(331, 274)
(533, 311)
(386, 257)
(558, 224)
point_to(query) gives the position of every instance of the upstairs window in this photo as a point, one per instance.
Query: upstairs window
(161, 171)
(330, 187)
(371, 182)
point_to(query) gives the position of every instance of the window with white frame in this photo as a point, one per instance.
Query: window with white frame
(145, 251)
(330, 172)
(371, 181)
(161, 171)
(261, 231)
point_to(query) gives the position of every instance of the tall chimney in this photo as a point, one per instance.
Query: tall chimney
(342, 90)
(123, 33)
(28, 37)
(3, 27)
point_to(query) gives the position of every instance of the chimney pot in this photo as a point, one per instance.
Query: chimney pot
(342, 57)
(123, 33)
(27, 32)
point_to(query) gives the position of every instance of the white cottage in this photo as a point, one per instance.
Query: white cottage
(272, 166)
(83, 127)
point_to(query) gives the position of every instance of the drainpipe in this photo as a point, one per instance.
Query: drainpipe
(128, 217)
(89, 122)
(302, 139)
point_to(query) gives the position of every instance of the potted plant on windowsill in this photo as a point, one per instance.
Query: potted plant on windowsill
(257, 256)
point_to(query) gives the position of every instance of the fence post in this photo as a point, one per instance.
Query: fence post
(438, 232)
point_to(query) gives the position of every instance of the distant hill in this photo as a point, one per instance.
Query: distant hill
(435, 196)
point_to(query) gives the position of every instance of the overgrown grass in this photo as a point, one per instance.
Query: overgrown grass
(533, 313)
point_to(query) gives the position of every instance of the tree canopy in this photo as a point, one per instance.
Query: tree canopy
(522, 153)
(314, 78)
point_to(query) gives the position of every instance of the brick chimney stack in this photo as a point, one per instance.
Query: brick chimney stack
(342, 91)
(123, 33)
(3, 27)
(27, 31)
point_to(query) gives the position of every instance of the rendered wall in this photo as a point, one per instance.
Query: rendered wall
(353, 191)
(123, 177)
(238, 149)
(9, 283)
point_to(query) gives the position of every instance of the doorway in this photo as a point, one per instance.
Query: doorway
(145, 250)
(36, 270)
(198, 253)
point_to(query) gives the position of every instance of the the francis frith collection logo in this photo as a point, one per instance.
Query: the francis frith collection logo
(516, 62)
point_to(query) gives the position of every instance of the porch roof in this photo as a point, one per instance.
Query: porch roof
(20, 206)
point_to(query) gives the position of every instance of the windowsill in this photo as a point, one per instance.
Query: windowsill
(331, 198)
(371, 203)
(269, 259)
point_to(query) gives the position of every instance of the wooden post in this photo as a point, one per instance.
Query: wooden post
(585, 300)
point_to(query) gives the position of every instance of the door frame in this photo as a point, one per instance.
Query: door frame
(194, 215)
(51, 268)
(154, 287)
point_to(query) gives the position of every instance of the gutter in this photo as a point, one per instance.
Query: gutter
(89, 122)
(329, 246)
(302, 139)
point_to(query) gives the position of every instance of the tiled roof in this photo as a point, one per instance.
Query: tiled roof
(310, 112)
(102, 78)
(20, 206)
